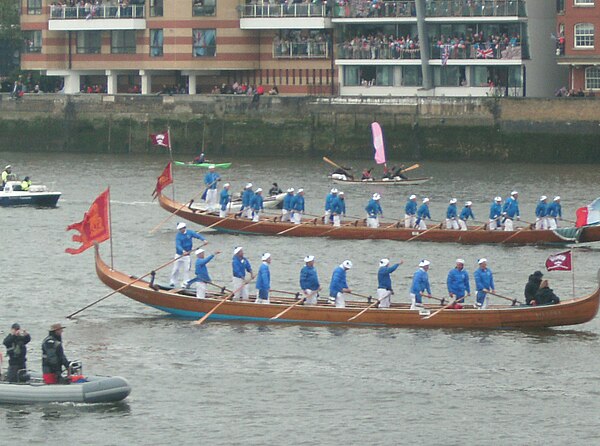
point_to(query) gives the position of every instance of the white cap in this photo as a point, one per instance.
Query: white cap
(259, 190)
(424, 262)
(265, 256)
(468, 203)
(347, 264)
(341, 193)
(290, 189)
(514, 192)
(181, 224)
(334, 191)
(453, 200)
(211, 166)
(237, 249)
(199, 251)
(384, 262)
(412, 197)
(376, 196)
(460, 261)
(309, 259)
(498, 199)
(300, 190)
(556, 198)
(8, 166)
(248, 185)
(482, 260)
(543, 197)
(425, 200)
(226, 185)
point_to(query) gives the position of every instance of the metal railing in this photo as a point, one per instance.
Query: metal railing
(96, 12)
(478, 51)
(376, 51)
(301, 50)
(293, 10)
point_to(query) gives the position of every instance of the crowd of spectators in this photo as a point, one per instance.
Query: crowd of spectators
(380, 46)
(96, 8)
(301, 43)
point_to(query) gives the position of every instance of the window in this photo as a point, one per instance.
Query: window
(122, 42)
(156, 42)
(34, 7)
(412, 76)
(204, 7)
(584, 35)
(32, 41)
(584, 2)
(592, 78)
(89, 42)
(156, 8)
(384, 76)
(204, 43)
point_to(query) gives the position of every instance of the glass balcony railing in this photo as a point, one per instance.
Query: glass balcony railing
(300, 50)
(293, 10)
(367, 50)
(93, 12)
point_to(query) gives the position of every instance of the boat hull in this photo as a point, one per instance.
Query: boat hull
(49, 199)
(204, 165)
(409, 182)
(184, 304)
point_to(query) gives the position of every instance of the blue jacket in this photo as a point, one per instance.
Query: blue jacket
(308, 278)
(423, 212)
(383, 276)
(247, 196)
(257, 202)
(338, 206)
(541, 210)
(224, 199)
(263, 281)
(202, 270)
(329, 199)
(420, 283)
(287, 201)
(183, 242)
(495, 210)
(298, 203)
(466, 213)
(511, 207)
(555, 209)
(373, 208)
(484, 279)
(452, 211)
(338, 281)
(458, 282)
(240, 266)
(210, 179)
(411, 207)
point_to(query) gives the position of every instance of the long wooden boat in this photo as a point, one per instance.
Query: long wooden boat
(398, 182)
(183, 303)
(203, 165)
(357, 229)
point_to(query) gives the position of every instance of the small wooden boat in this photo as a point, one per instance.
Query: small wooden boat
(37, 195)
(183, 303)
(392, 182)
(272, 202)
(204, 165)
(357, 229)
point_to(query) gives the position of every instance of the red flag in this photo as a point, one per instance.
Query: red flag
(559, 262)
(161, 139)
(95, 226)
(165, 178)
(582, 216)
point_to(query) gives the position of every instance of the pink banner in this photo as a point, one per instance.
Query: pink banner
(379, 150)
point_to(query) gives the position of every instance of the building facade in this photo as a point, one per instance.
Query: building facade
(346, 47)
(576, 47)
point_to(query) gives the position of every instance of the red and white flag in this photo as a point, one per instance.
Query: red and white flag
(161, 139)
(95, 226)
(588, 215)
(487, 53)
(165, 178)
(559, 262)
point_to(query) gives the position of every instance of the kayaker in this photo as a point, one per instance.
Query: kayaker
(275, 190)
(398, 173)
(183, 247)
(240, 265)
(263, 281)
(384, 282)
(343, 171)
(53, 355)
(458, 284)
(16, 349)
(210, 181)
(339, 285)
(309, 281)
(199, 159)
(202, 277)
(374, 210)
(366, 175)
(410, 212)
(484, 282)
(420, 284)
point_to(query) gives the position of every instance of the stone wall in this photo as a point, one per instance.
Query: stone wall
(514, 129)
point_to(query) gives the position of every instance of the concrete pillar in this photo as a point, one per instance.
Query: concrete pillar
(191, 83)
(424, 43)
(146, 82)
(111, 82)
(72, 82)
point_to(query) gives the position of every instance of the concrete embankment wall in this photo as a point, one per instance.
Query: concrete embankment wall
(511, 129)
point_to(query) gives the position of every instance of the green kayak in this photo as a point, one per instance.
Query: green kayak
(205, 165)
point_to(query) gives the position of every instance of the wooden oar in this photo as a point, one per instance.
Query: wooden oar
(126, 285)
(424, 232)
(413, 167)
(361, 295)
(441, 309)
(313, 221)
(514, 301)
(483, 225)
(207, 315)
(429, 296)
(218, 223)
(517, 232)
(327, 160)
(298, 302)
(336, 227)
(365, 309)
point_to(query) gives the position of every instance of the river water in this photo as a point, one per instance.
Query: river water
(248, 383)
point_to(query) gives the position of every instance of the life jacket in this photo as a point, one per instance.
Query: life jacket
(50, 353)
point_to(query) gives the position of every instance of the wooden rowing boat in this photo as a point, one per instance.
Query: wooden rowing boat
(182, 303)
(357, 229)
(398, 182)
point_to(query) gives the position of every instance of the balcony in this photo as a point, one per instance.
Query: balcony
(96, 18)
(294, 16)
(300, 50)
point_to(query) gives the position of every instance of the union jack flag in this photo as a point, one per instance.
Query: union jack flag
(445, 55)
(485, 53)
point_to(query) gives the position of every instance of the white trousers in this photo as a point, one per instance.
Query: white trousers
(200, 290)
(409, 221)
(462, 224)
(385, 297)
(241, 294)
(494, 224)
(285, 215)
(222, 213)
(340, 300)
(508, 224)
(422, 224)
(255, 215)
(451, 223)
(262, 301)
(297, 217)
(247, 212)
(312, 300)
(552, 223)
(181, 270)
(540, 223)
(211, 198)
(337, 220)
(414, 305)
(326, 218)
(373, 222)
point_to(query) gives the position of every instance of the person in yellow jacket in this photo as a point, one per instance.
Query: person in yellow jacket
(25, 184)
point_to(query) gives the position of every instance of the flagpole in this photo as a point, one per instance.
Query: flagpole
(573, 270)
(110, 229)
(171, 156)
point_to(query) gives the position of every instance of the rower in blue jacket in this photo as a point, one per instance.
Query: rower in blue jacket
(374, 211)
(210, 181)
(510, 210)
(422, 214)
(298, 207)
(202, 278)
(484, 282)
(257, 204)
(465, 214)
(458, 284)
(338, 285)
(329, 199)
(309, 281)
(247, 196)
(239, 266)
(384, 282)
(224, 200)
(554, 213)
(286, 210)
(410, 212)
(183, 247)
(420, 284)
(263, 281)
(451, 215)
(495, 214)
(541, 211)
(338, 208)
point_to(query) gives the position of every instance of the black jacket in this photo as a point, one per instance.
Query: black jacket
(16, 348)
(531, 288)
(545, 296)
(53, 355)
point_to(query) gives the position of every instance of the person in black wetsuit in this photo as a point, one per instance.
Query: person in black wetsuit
(532, 287)
(275, 190)
(545, 295)
(53, 355)
(16, 348)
